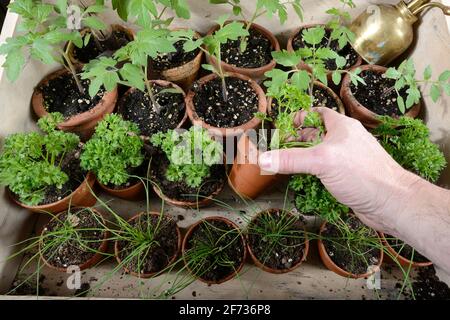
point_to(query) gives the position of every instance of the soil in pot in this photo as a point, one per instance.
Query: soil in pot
(180, 191)
(93, 49)
(405, 250)
(71, 252)
(160, 254)
(174, 59)
(227, 250)
(61, 95)
(279, 251)
(347, 52)
(240, 107)
(71, 166)
(337, 248)
(257, 54)
(138, 108)
(379, 95)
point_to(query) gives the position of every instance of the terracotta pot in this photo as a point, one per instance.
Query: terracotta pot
(148, 275)
(162, 83)
(246, 178)
(262, 266)
(187, 73)
(70, 47)
(226, 132)
(404, 262)
(358, 111)
(328, 262)
(133, 192)
(256, 74)
(99, 256)
(189, 234)
(302, 65)
(82, 124)
(81, 197)
(341, 108)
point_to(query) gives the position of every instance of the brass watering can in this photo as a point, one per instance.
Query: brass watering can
(384, 31)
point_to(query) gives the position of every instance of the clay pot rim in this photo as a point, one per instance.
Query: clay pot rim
(162, 83)
(267, 33)
(88, 179)
(228, 222)
(114, 27)
(347, 94)
(120, 190)
(290, 44)
(233, 131)
(341, 108)
(171, 261)
(37, 101)
(338, 270)
(261, 265)
(95, 258)
(401, 259)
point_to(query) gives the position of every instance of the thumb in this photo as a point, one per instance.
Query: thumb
(291, 161)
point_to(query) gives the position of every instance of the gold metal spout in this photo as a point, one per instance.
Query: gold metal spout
(445, 9)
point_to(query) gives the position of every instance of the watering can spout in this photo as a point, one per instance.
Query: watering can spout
(383, 32)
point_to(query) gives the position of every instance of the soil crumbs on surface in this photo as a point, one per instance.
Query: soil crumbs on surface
(337, 248)
(347, 52)
(71, 252)
(427, 286)
(280, 252)
(138, 108)
(218, 264)
(378, 95)
(174, 59)
(240, 107)
(257, 54)
(157, 256)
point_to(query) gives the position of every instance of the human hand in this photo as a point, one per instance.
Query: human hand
(353, 167)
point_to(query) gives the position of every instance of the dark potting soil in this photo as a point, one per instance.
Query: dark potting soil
(137, 107)
(180, 190)
(427, 286)
(158, 256)
(240, 107)
(281, 252)
(378, 95)
(174, 59)
(215, 234)
(71, 252)
(61, 95)
(321, 98)
(405, 250)
(347, 52)
(92, 50)
(257, 54)
(337, 249)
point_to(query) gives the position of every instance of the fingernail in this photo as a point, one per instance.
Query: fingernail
(265, 161)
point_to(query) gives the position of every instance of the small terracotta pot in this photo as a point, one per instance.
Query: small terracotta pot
(148, 275)
(189, 234)
(81, 197)
(226, 132)
(246, 177)
(256, 74)
(82, 124)
(162, 83)
(356, 110)
(187, 73)
(91, 262)
(328, 262)
(302, 65)
(133, 192)
(341, 108)
(262, 266)
(84, 31)
(404, 262)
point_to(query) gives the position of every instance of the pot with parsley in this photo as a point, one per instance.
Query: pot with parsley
(188, 167)
(42, 171)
